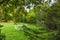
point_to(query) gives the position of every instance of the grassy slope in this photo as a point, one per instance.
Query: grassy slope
(12, 34)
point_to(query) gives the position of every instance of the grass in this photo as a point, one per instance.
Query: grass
(13, 34)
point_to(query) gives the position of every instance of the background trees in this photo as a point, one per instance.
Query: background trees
(41, 13)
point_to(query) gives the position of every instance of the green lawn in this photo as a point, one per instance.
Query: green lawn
(13, 34)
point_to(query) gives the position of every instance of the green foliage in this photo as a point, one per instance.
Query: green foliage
(40, 14)
(11, 33)
(14, 10)
(53, 19)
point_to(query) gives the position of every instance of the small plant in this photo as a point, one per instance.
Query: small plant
(1, 26)
(2, 36)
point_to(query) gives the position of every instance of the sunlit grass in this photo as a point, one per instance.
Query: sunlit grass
(13, 34)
